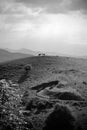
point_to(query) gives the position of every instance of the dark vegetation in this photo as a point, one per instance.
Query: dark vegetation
(61, 118)
(64, 95)
(44, 85)
(38, 105)
(27, 67)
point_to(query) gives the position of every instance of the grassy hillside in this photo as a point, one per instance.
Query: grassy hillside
(42, 85)
(8, 56)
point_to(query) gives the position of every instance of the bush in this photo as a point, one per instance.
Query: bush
(38, 105)
(60, 119)
(27, 67)
(64, 95)
(69, 96)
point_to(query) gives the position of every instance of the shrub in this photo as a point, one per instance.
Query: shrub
(69, 96)
(38, 105)
(27, 67)
(65, 94)
(60, 119)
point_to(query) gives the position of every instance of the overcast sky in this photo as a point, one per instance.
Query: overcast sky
(47, 25)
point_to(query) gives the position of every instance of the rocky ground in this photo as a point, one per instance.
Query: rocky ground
(42, 93)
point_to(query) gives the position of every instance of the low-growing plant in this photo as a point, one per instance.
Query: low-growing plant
(27, 67)
(60, 119)
(38, 105)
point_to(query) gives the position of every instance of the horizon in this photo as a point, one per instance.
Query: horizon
(58, 26)
(26, 51)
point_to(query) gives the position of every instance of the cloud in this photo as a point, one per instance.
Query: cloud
(79, 5)
(11, 7)
(12, 13)
(48, 6)
(40, 2)
(56, 6)
(43, 24)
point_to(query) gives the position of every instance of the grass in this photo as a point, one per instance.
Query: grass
(62, 94)
(23, 109)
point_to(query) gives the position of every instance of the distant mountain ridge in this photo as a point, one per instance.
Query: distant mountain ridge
(31, 52)
(35, 53)
(23, 51)
(8, 56)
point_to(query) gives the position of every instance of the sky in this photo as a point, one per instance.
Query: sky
(45, 25)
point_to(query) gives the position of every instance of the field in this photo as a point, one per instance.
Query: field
(38, 88)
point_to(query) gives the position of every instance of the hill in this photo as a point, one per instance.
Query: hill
(8, 56)
(34, 88)
(31, 52)
(35, 53)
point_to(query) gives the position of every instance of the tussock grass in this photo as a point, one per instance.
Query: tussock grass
(45, 85)
(64, 94)
(60, 119)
